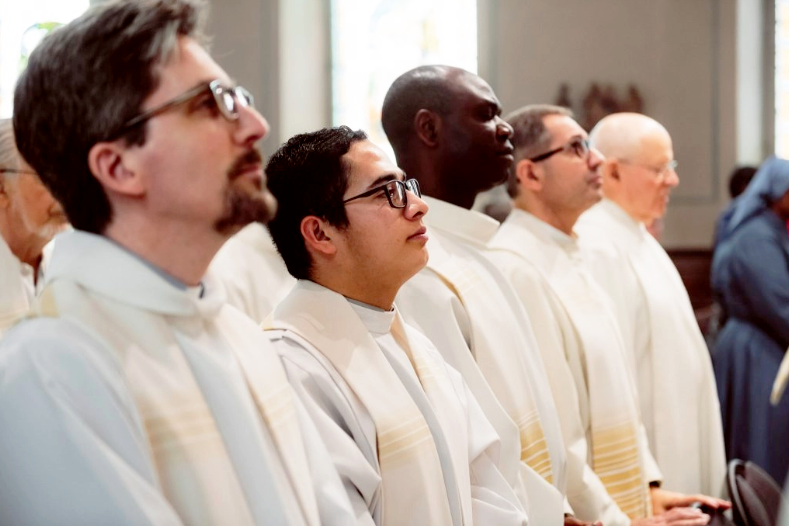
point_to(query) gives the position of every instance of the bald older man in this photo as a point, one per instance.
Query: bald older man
(29, 218)
(676, 386)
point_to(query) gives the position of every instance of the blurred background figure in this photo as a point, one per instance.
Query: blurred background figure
(29, 218)
(738, 181)
(252, 272)
(750, 276)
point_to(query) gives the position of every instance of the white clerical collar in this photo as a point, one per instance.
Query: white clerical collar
(377, 321)
(104, 267)
(548, 232)
(468, 225)
(196, 292)
(622, 217)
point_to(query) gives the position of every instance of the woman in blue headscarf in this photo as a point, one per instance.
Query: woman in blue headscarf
(750, 275)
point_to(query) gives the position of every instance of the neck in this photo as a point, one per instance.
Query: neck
(183, 251)
(561, 219)
(25, 246)
(348, 283)
(430, 173)
(621, 202)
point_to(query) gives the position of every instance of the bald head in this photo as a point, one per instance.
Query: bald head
(622, 135)
(639, 170)
(425, 87)
(446, 129)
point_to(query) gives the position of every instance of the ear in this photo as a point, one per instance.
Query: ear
(428, 127)
(611, 169)
(111, 164)
(528, 174)
(316, 233)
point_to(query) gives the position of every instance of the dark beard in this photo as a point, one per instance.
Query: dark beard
(242, 208)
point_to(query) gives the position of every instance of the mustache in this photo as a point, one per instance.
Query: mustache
(242, 163)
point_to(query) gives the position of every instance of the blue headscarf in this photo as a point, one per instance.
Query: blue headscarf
(769, 184)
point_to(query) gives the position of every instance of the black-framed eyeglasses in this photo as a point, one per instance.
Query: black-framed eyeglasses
(395, 191)
(661, 172)
(15, 171)
(578, 147)
(227, 99)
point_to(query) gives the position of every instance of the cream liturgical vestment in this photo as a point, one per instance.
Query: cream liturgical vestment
(252, 272)
(679, 403)
(134, 400)
(594, 352)
(467, 309)
(410, 442)
(16, 287)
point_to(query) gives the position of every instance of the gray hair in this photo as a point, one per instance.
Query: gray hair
(83, 82)
(530, 137)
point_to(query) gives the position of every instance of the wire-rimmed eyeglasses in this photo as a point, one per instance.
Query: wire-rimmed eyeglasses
(227, 99)
(661, 172)
(579, 147)
(395, 190)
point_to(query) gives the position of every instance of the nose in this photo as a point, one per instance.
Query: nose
(415, 207)
(503, 129)
(672, 179)
(251, 126)
(595, 159)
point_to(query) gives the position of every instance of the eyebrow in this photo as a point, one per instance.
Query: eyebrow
(385, 178)
(492, 103)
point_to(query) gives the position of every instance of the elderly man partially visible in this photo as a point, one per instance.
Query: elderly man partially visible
(676, 387)
(29, 218)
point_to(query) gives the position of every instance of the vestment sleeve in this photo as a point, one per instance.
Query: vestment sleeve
(333, 425)
(72, 448)
(586, 493)
(331, 492)
(493, 500)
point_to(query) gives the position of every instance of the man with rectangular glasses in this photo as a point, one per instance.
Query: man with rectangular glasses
(409, 439)
(676, 385)
(136, 395)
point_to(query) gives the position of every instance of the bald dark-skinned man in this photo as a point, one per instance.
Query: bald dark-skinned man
(446, 129)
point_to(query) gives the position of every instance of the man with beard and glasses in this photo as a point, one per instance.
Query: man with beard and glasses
(29, 218)
(136, 395)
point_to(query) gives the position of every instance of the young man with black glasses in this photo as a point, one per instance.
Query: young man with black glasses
(409, 439)
(137, 396)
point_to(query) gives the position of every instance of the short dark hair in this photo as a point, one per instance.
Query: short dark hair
(530, 137)
(424, 87)
(308, 176)
(739, 180)
(83, 82)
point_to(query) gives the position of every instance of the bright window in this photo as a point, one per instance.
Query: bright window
(22, 26)
(375, 41)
